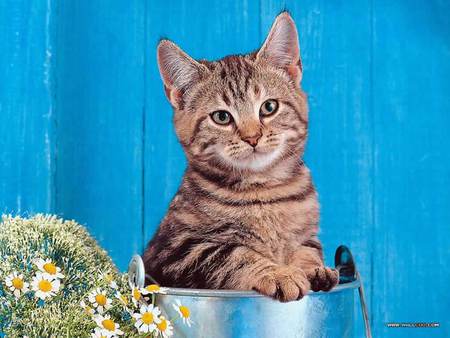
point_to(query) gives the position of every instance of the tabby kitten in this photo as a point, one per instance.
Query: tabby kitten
(246, 214)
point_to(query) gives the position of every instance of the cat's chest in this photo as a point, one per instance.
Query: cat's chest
(280, 222)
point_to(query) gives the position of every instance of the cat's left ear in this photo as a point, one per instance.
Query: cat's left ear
(281, 48)
(178, 71)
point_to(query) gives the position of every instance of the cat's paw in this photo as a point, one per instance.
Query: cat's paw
(283, 283)
(322, 278)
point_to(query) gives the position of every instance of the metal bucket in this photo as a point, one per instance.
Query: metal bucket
(242, 314)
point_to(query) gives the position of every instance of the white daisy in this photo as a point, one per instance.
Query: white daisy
(99, 300)
(16, 284)
(111, 282)
(153, 288)
(47, 266)
(108, 326)
(136, 296)
(45, 285)
(147, 319)
(164, 327)
(87, 308)
(183, 311)
(99, 333)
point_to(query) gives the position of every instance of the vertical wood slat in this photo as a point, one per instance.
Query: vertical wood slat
(203, 31)
(27, 142)
(100, 97)
(412, 166)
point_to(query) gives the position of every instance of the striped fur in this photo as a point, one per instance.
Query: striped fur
(245, 217)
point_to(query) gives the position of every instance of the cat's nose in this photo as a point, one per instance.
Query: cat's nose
(252, 140)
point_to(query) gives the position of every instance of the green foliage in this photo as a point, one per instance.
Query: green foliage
(85, 267)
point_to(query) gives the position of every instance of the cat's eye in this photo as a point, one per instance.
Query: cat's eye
(269, 107)
(222, 117)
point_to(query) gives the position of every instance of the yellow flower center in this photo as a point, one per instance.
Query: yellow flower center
(109, 324)
(185, 311)
(147, 318)
(17, 283)
(136, 294)
(50, 268)
(100, 299)
(162, 326)
(152, 288)
(45, 286)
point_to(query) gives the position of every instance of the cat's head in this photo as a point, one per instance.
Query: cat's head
(241, 112)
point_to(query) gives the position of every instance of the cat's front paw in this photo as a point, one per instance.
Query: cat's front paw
(283, 283)
(322, 278)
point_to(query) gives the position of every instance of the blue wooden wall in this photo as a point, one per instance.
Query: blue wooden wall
(85, 129)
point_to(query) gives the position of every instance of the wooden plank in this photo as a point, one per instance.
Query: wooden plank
(411, 101)
(336, 61)
(204, 30)
(100, 122)
(27, 143)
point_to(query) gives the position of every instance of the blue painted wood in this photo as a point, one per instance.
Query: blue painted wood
(100, 98)
(411, 72)
(86, 129)
(27, 142)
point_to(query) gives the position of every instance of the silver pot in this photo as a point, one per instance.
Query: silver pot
(246, 314)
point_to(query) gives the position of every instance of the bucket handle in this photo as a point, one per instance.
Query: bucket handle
(362, 301)
(345, 264)
(136, 273)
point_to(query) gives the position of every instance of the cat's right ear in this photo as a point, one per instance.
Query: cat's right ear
(178, 71)
(281, 47)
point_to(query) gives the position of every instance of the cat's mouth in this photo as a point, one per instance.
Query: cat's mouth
(257, 158)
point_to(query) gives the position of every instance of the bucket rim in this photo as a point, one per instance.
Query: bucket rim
(245, 294)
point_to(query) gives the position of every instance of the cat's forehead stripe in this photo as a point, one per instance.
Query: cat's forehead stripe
(236, 71)
(226, 99)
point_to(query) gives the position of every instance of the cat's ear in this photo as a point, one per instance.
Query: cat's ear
(178, 71)
(281, 47)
